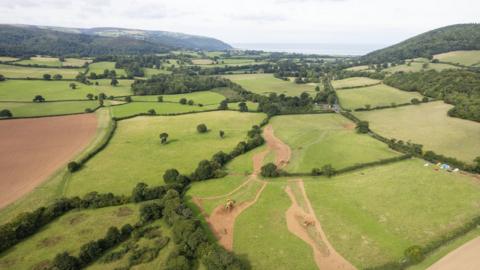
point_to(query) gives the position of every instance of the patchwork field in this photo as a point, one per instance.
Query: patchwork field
(367, 214)
(99, 67)
(33, 149)
(377, 95)
(201, 97)
(265, 84)
(122, 89)
(10, 71)
(465, 58)
(137, 142)
(28, 109)
(353, 82)
(428, 124)
(26, 90)
(41, 60)
(321, 139)
(67, 233)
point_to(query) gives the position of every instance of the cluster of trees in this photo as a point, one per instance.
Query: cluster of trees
(48, 77)
(107, 74)
(458, 87)
(327, 95)
(176, 84)
(6, 113)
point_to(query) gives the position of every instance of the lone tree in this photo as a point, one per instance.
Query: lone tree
(90, 96)
(160, 98)
(363, 127)
(47, 77)
(415, 101)
(221, 133)
(223, 105)
(152, 112)
(317, 88)
(170, 176)
(191, 102)
(38, 98)
(243, 107)
(73, 166)
(128, 99)
(57, 77)
(2, 78)
(183, 101)
(5, 113)
(328, 170)
(202, 128)
(114, 82)
(163, 137)
(73, 86)
(269, 170)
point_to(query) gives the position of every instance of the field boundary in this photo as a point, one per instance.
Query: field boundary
(52, 115)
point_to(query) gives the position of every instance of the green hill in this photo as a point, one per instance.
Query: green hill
(445, 39)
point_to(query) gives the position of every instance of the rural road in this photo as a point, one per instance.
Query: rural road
(466, 257)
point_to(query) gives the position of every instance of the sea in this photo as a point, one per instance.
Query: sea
(336, 49)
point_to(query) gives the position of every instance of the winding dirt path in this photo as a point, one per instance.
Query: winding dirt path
(282, 150)
(302, 222)
(465, 257)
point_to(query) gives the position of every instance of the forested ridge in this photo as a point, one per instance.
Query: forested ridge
(445, 39)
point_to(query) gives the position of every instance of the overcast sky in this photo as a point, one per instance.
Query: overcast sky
(247, 21)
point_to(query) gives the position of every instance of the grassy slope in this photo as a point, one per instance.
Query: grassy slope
(26, 90)
(149, 72)
(99, 67)
(67, 233)
(376, 95)
(266, 84)
(136, 155)
(372, 216)
(353, 82)
(27, 109)
(202, 97)
(428, 124)
(159, 107)
(321, 139)
(466, 58)
(10, 71)
(418, 66)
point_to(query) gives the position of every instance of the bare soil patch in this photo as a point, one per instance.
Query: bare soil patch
(303, 223)
(77, 219)
(33, 149)
(463, 258)
(349, 126)
(124, 211)
(50, 241)
(282, 150)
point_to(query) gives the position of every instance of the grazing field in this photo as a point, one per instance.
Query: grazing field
(99, 67)
(377, 95)
(262, 235)
(371, 216)
(135, 153)
(7, 59)
(359, 68)
(465, 58)
(265, 84)
(134, 108)
(29, 109)
(26, 90)
(417, 66)
(428, 124)
(317, 140)
(202, 61)
(75, 62)
(67, 233)
(10, 71)
(33, 149)
(42, 61)
(122, 89)
(354, 82)
(149, 72)
(201, 97)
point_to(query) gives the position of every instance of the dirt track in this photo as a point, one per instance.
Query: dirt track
(302, 222)
(33, 149)
(465, 257)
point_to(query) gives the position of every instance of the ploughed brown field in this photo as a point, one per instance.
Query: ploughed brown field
(33, 149)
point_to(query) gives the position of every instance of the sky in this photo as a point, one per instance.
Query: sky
(254, 21)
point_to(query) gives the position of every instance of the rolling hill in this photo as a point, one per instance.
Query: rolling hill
(27, 39)
(445, 39)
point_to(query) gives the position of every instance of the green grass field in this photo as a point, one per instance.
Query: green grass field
(465, 58)
(371, 216)
(428, 124)
(135, 153)
(134, 108)
(418, 66)
(28, 109)
(261, 233)
(75, 62)
(42, 60)
(67, 233)
(354, 82)
(10, 71)
(265, 84)
(317, 140)
(359, 68)
(7, 59)
(99, 67)
(201, 97)
(122, 89)
(149, 72)
(26, 90)
(377, 95)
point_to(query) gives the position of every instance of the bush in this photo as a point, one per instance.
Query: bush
(328, 170)
(414, 254)
(6, 113)
(64, 261)
(183, 101)
(73, 166)
(363, 127)
(202, 128)
(415, 101)
(269, 170)
(160, 98)
(170, 176)
(152, 112)
(190, 102)
(47, 77)
(2, 78)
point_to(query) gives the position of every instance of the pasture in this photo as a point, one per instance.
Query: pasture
(376, 95)
(465, 58)
(320, 139)
(26, 90)
(417, 66)
(99, 67)
(29, 109)
(10, 71)
(135, 153)
(67, 233)
(265, 84)
(149, 72)
(134, 108)
(201, 97)
(41, 61)
(371, 216)
(122, 89)
(428, 124)
(353, 82)
(359, 68)
(7, 59)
